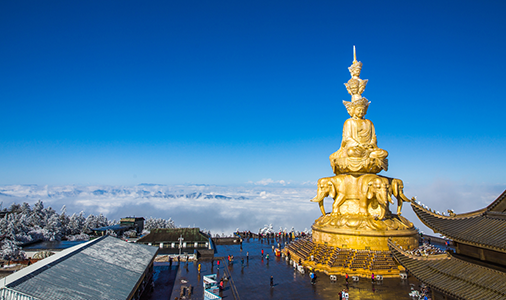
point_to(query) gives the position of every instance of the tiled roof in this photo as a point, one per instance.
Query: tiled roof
(86, 271)
(453, 276)
(499, 205)
(484, 228)
(173, 234)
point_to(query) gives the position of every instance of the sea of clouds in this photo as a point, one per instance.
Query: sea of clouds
(223, 209)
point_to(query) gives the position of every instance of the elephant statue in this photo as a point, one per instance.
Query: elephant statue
(370, 189)
(333, 187)
(397, 189)
(376, 190)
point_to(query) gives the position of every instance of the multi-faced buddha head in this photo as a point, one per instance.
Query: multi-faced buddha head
(353, 86)
(355, 69)
(357, 109)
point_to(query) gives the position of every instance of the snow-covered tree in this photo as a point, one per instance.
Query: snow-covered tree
(76, 223)
(153, 223)
(130, 234)
(3, 225)
(37, 215)
(111, 233)
(78, 237)
(10, 251)
(65, 221)
(25, 209)
(23, 224)
(54, 228)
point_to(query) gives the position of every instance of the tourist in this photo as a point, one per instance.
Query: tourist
(372, 277)
(346, 276)
(242, 262)
(272, 281)
(262, 253)
(313, 277)
(218, 263)
(247, 256)
(199, 268)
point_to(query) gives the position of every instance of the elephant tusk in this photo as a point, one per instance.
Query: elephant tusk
(315, 199)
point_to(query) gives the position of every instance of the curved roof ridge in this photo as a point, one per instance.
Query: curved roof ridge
(478, 230)
(472, 214)
(499, 200)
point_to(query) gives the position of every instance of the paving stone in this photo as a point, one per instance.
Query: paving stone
(252, 280)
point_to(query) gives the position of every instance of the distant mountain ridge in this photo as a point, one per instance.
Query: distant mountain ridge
(140, 191)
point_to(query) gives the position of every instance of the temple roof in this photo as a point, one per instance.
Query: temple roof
(485, 228)
(172, 235)
(453, 276)
(105, 268)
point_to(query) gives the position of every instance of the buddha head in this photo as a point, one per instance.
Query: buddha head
(355, 69)
(353, 86)
(357, 109)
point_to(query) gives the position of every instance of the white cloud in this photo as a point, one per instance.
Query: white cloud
(269, 181)
(224, 208)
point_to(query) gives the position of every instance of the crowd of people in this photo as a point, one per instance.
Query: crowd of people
(426, 249)
(271, 235)
(423, 292)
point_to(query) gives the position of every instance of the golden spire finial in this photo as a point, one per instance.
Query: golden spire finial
(355, 85)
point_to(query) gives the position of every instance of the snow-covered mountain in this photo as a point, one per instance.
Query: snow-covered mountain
(140, 191)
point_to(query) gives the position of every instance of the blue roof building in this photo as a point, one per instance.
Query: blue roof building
(105, 268)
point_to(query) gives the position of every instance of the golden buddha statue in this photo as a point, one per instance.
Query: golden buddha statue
(361, 217)
(361, 197)
(359, 152)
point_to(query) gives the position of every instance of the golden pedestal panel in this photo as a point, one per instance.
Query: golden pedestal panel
(374, 240)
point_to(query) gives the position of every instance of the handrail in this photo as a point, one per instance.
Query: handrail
(232, 285)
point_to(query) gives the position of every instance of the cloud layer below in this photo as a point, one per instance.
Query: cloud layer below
(227, 208)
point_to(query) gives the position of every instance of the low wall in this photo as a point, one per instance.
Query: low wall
(227, 241)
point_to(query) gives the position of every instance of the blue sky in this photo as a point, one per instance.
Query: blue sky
(230, 92)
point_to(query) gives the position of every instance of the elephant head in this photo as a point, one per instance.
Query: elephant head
(379, 190)
(325, 188)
